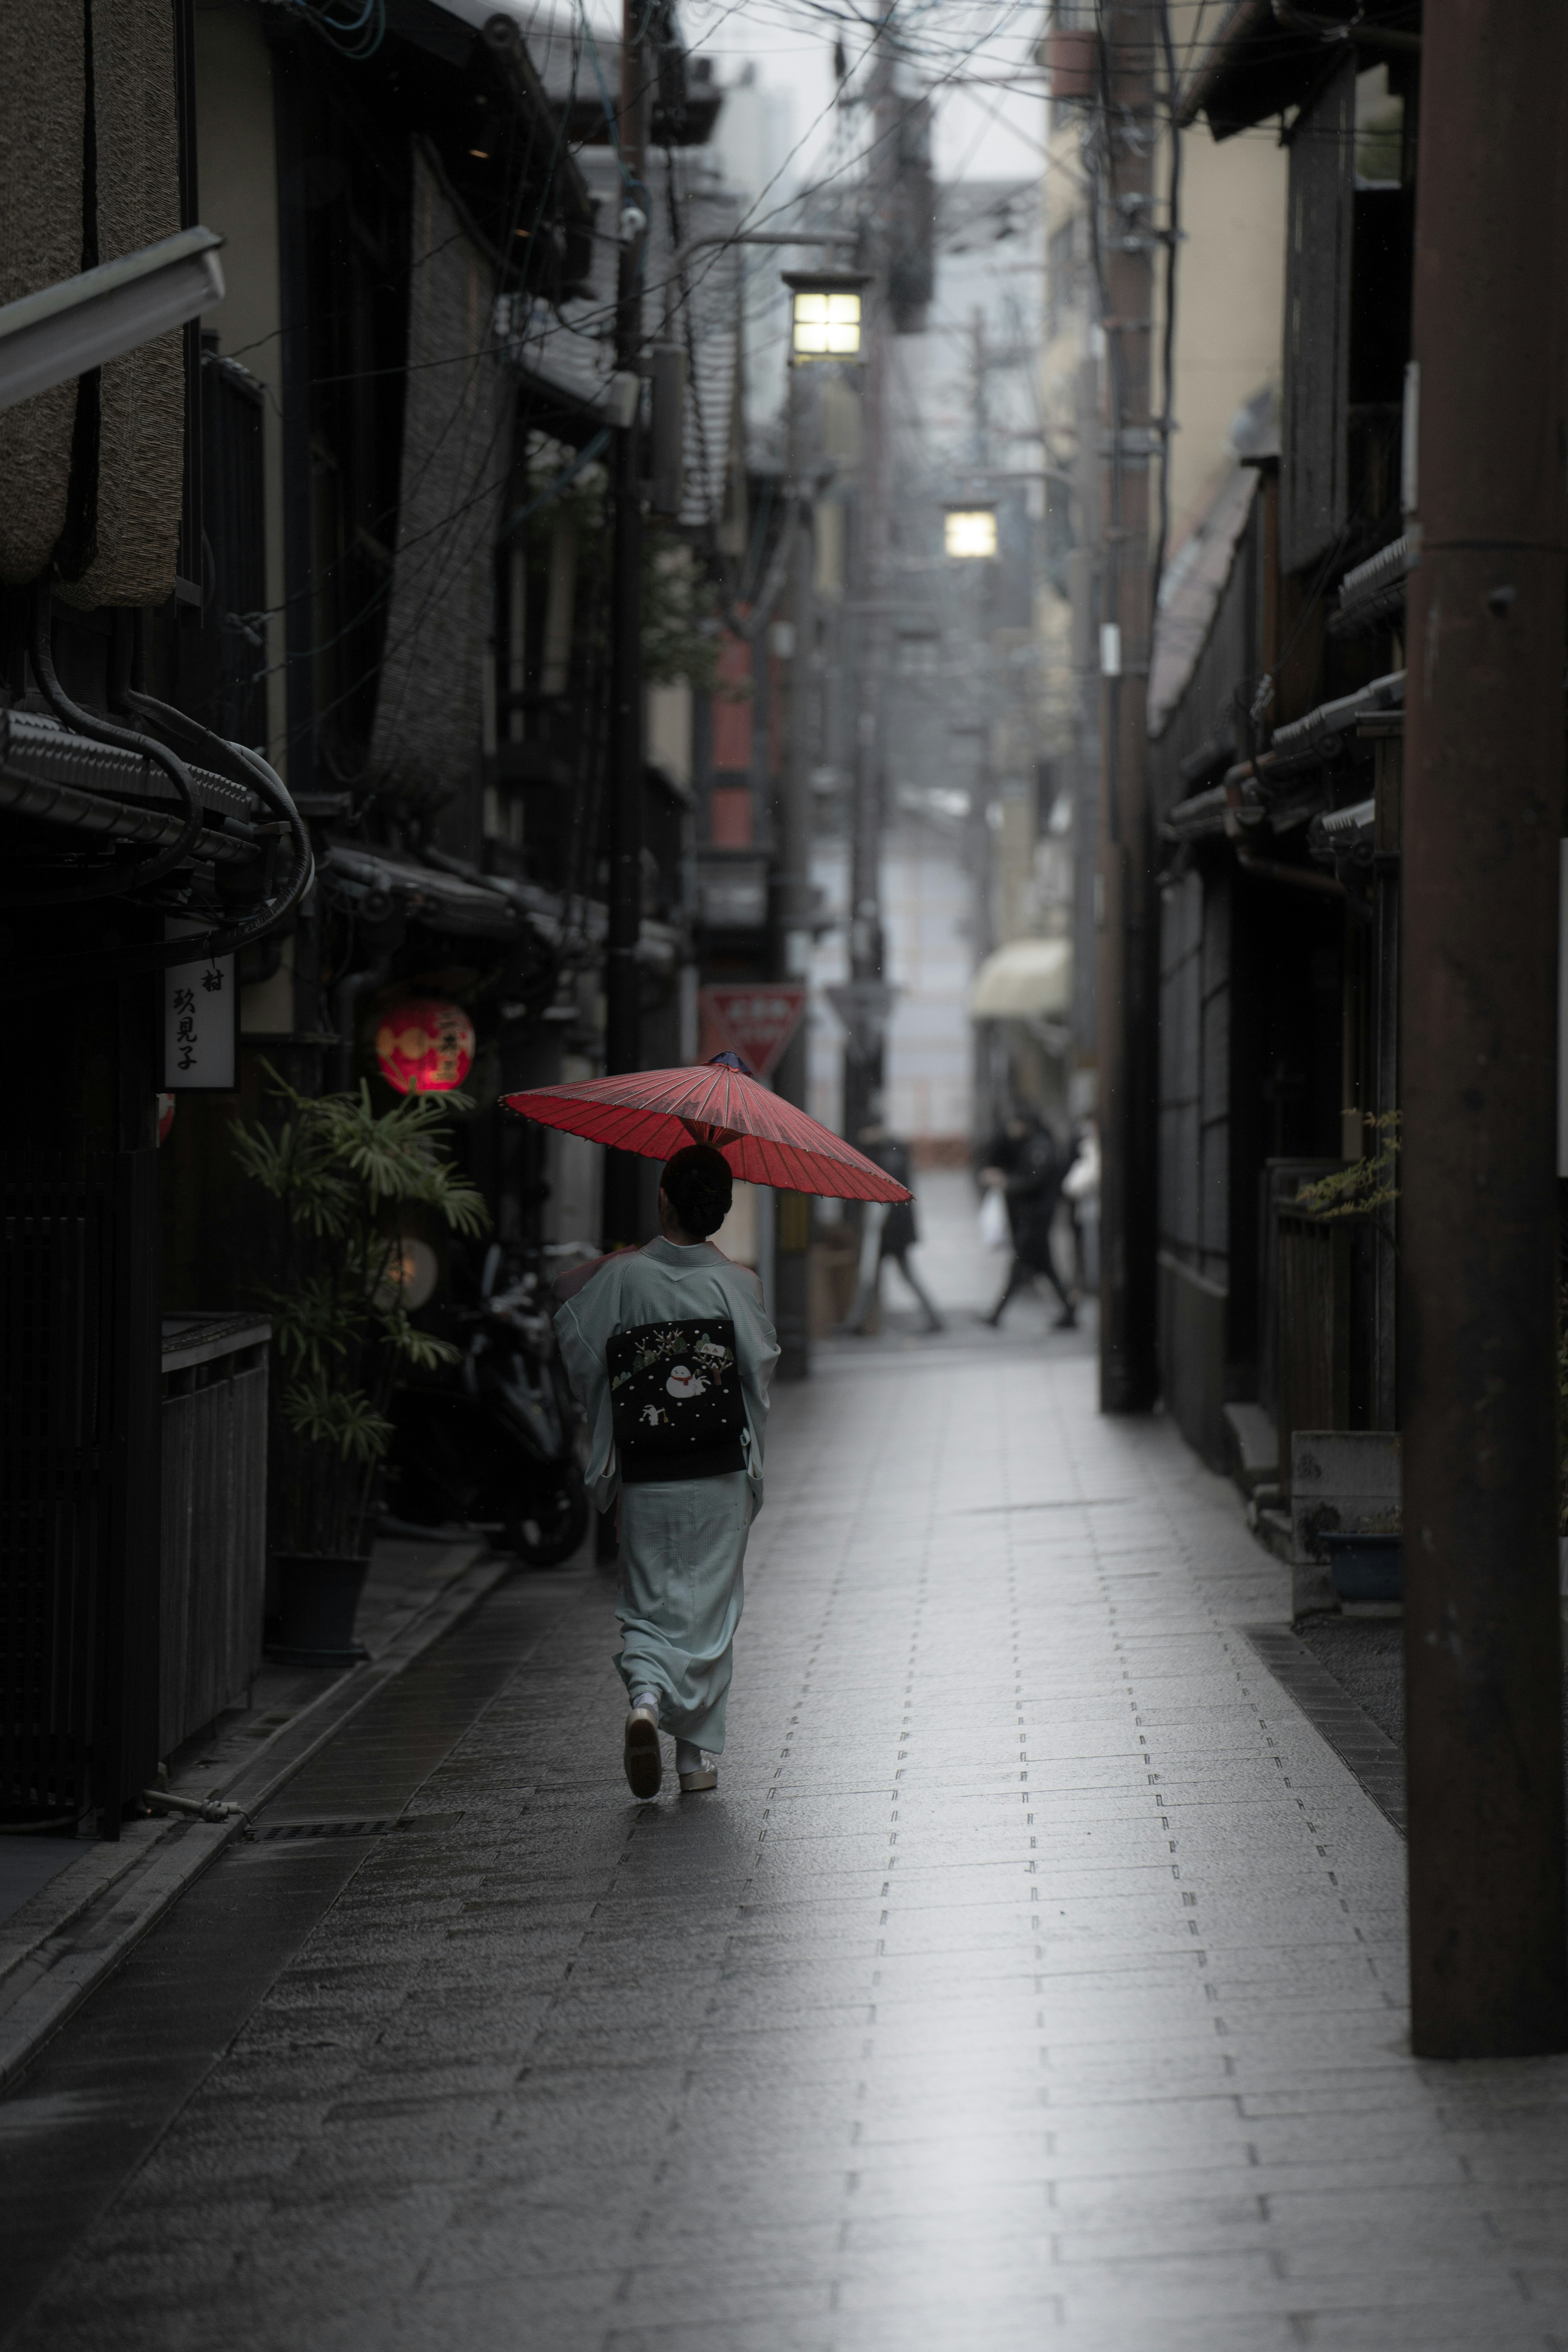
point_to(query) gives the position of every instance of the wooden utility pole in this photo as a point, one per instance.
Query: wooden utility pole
(1083, 584)
(792, 879)
(1128, 902)
(1479, 1216)
(863, 1056)
(623, 978)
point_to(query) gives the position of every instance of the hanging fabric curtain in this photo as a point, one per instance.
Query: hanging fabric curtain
(428, 741)
(122, 534)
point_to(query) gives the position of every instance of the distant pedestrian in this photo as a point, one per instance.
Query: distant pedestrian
(890, 1233)
(1024, 1164)
(1081, 1190)
(671, 1353)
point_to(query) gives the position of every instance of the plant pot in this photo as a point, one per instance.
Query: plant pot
(1365, 1567)
(318, 1595)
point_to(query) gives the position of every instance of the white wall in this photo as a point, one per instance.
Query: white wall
(926, 902)
(1230, 300)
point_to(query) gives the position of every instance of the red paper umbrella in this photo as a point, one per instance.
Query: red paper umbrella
(765, 1139)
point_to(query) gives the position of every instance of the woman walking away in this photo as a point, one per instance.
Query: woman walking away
(1023, 1165)
(671, 1354)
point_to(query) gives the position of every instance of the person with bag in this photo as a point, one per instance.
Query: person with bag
(1081, 1190)
(671, 1353)
(1023, 1165)
(888, 1233)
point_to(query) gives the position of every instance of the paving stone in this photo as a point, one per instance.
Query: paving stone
(1035, 1974)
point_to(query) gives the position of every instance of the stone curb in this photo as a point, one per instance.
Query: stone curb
(1362, 1747)
(80, 1926)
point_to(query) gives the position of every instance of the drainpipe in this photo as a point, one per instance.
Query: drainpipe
(344, 998)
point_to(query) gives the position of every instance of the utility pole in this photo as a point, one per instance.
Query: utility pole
(864, 1057)
(980, 425)
(1128, 905)
(989, 1074)
(1083, 565)
(623, 978)
(792, 879)
(1478, 1214)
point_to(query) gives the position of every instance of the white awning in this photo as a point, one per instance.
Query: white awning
(1025, 981)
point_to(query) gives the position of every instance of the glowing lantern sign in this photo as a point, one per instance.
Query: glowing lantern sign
(826, 313)
(425, 1047)
(970, 532)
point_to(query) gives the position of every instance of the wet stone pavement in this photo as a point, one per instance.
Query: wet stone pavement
(1035, 1974)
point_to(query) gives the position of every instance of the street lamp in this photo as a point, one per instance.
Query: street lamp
(825, 319)
(969, 531)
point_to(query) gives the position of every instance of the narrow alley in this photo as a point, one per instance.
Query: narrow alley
(1037, 1970)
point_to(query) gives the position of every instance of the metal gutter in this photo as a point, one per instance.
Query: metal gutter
(68, 805)
(58, 754)
(443, 901)
(1320, 735)
(1349, 833)
(1372, 591)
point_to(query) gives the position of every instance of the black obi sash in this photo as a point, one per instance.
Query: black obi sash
(675, 1395)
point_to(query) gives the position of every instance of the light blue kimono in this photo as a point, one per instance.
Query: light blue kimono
(683, 1542)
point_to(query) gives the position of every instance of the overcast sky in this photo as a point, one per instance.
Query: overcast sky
(982, 132)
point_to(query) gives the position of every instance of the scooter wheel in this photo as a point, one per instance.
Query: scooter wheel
(550, 1529)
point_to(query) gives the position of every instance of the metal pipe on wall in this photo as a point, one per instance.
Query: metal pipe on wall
(1483, 812)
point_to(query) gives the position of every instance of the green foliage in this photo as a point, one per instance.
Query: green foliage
(682, 637)
(682, 608)
(345, 1175)
(1366, 1184)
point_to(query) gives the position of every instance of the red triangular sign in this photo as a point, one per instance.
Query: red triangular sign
(757, 1022)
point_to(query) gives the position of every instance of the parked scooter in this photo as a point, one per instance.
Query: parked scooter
(493, 1440)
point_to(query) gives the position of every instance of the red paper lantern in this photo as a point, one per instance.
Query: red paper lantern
(424, 1045)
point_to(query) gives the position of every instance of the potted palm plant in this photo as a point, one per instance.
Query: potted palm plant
(348, 1178)
(1365, 1563)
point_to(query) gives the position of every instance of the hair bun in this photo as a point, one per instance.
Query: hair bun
(699, 1185)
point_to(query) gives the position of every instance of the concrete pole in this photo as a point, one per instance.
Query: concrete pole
(1483, 814)
(1083, 588)
(792, 879)
(1129, 904)
(623, 978)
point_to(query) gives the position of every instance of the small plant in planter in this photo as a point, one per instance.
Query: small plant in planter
(1366, 1184)
(346, 1176)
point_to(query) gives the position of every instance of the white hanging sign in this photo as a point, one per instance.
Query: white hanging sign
(201, 1023)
